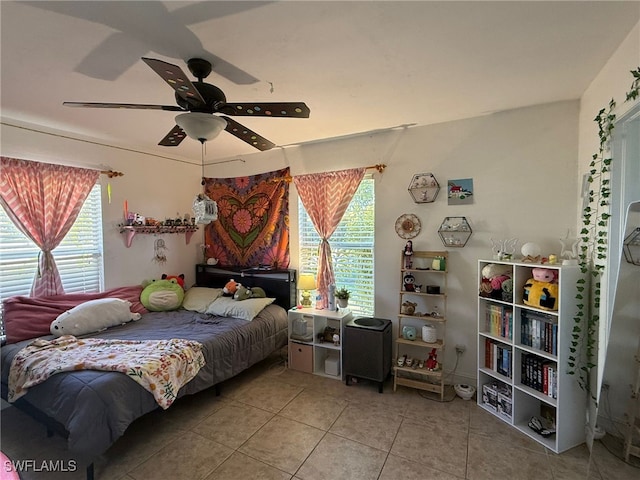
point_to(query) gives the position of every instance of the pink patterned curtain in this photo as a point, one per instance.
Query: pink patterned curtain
(325, 197)
(43, 201)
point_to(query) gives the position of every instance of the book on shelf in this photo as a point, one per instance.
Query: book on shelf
(499, 320)
(539, 331)
(498, 357)
(539, 374)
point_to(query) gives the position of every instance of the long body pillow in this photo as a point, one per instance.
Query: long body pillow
(29, 317)
(93, 316)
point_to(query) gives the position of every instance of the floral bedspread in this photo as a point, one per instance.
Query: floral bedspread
(159, 366)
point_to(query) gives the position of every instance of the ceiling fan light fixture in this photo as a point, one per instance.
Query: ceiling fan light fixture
(201, 126)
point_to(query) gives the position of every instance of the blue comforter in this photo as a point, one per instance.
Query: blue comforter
(96, 407)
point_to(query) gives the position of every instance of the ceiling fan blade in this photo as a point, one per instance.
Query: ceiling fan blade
(173, 138)
(246, 135)
(176, 78)
(140, 106)
(265, 109)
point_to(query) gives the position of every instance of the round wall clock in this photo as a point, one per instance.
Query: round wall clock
(408, 226)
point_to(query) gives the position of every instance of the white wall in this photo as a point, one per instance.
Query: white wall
(612, 83)
(523, 163)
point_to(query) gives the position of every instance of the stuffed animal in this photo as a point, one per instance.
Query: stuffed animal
(408, 308)
(243, 293)
(93, 316)
(230, 288)
(409, 282)
(545, 275)
(541, 291)
(179, 278)
(432, 361)
(162, 295)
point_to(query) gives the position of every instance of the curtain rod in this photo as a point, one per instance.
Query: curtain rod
(288, 178)
(111, 173)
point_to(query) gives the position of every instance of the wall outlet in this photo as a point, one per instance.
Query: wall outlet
(460, 348)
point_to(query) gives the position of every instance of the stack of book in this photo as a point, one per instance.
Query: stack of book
(498, 357)
(499, 320)
(539, 331)
(539, 374)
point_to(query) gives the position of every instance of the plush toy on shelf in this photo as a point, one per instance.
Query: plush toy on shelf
(432, 361)
(541, 291)
(409, 282)
(408, 308)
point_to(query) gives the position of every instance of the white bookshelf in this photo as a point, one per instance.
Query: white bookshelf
(543, 347)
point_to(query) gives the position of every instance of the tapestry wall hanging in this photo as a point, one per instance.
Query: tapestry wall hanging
(252, 229)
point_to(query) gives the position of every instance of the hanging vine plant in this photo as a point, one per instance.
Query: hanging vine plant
(593, 247)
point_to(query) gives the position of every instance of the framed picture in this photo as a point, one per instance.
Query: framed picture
(460, 191)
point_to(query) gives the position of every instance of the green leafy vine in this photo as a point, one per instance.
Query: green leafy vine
(594, 248)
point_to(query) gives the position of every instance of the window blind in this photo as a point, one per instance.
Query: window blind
(78, 257)
(351, 247)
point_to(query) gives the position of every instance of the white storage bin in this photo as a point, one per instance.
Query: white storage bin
(332, 365)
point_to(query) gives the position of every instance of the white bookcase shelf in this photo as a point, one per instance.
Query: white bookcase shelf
(523, 354)
(308, 352)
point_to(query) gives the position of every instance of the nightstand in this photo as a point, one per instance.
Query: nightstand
(309, 351)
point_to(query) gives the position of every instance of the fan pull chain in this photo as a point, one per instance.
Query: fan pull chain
(203, 152)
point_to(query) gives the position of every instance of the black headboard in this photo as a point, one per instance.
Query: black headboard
(278, 284)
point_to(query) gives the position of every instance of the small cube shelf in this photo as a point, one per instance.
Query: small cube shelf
(309, 351)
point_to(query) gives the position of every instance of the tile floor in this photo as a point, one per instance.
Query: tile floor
(275, 423)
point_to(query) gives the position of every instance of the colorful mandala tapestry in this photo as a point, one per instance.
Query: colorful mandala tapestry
(253, 220)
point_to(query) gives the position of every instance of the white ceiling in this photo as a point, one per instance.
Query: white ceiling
(359, 66)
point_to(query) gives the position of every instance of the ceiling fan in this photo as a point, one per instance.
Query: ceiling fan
(200, 104)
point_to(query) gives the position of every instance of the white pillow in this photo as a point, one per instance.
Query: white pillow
(197, 299)
(244, 309)
(93, 316)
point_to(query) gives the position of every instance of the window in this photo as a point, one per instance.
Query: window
(78, 257)
(351, 248)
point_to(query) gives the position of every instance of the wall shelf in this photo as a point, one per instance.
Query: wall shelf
(455, 231)
(131, 231)
(424, 188)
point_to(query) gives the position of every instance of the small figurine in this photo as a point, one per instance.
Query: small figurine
(409, 282)
(336, 339)
(432, 362)
(408, 254)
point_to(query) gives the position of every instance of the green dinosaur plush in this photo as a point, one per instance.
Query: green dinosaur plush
(162, 295)
(242, 293)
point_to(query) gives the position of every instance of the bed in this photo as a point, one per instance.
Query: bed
(94, 408)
